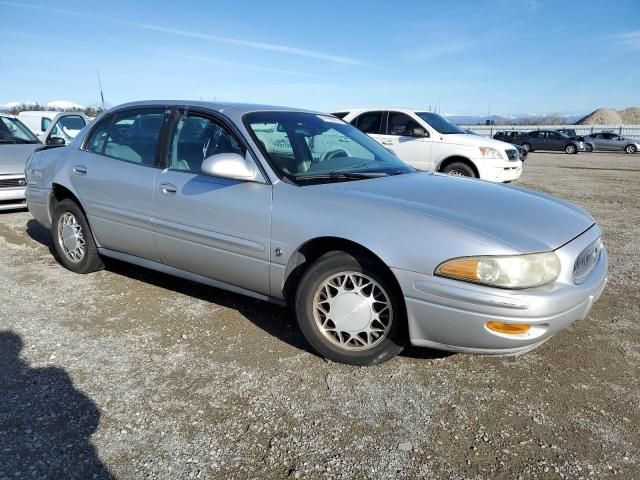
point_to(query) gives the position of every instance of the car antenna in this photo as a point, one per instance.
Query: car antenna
(100, 85)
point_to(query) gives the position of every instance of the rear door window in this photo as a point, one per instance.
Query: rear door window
(369, 122)
(133, 136)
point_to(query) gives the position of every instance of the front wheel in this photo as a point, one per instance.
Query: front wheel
(73, 240)
(630, 149)
(527, 147)
(350, 310)
(459, 169)
(570, 148)
(588, 147)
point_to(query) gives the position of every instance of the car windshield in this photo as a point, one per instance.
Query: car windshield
(307, 147)
(13, 130)
(440, 124)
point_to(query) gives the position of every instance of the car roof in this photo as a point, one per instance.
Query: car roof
(376, 109)
(238, 108)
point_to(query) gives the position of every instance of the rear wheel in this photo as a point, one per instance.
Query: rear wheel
(570, 148)
(73, 240)
(350, 310)
(630, 149)
(460, 169)
(588, 147)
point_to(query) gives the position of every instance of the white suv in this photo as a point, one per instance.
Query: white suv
(427, 141)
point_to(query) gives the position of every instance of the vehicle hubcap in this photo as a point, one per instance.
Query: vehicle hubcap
(630, 149)
(570, 149)
(352, 311)
(458, 173)
(71, 237)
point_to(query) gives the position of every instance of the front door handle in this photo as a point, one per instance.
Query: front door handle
(80, 170)
(168, 189)
(386, 142)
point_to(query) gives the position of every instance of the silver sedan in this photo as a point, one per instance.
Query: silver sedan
(300, 208)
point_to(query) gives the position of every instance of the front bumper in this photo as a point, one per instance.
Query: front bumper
(499, 171)
(451, 315)
(12, 197)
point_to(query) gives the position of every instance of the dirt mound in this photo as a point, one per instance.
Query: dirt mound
(609, 116)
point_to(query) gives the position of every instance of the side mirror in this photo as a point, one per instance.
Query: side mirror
(231, 165)
(55, 141)
(418, 132)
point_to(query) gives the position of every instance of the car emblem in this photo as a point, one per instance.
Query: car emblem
(22, 182)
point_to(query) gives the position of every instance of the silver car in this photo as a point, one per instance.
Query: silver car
(300, 208)
(611, 142)
(16, 144)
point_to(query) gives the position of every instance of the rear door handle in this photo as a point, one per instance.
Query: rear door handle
(168, 189)
(386, 142)
(80, 170)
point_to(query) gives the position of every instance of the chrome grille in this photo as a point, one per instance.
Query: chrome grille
(587, 260)
(12, 182)
(512, 155)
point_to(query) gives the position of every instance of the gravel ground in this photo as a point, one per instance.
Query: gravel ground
(127, 373)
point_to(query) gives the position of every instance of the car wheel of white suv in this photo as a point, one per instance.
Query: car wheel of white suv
(459, 169)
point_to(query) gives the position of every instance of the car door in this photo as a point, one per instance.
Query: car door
(536, 139)
(211, 226)
(600, 141)
(556, 141)
(114, 174)
(398, 137)
(371, 123)
(66, 126)
(613, 142)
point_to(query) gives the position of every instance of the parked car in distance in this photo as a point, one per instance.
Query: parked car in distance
(548, 140)
(507, 135)
(17, 142)
(371, 253)
(610, 142)
(429, 142)
(46, 125)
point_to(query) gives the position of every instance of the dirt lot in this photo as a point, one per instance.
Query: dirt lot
(130, 374)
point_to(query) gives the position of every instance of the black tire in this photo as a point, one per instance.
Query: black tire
(90, 260)
(630, 148)
(332, 264)
(460, 169)
(588, 147)
(527, 146)
(570, 148)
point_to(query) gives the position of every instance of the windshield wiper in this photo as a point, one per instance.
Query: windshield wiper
(342, 174)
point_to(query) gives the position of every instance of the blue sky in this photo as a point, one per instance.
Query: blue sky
(533, 56)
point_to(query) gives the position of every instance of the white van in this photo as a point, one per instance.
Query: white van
(47, 124)
(427, 141)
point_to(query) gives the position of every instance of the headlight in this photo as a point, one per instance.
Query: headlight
(518, 271)
(491, 153)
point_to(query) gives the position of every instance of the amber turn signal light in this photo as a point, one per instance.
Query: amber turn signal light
(512, 328)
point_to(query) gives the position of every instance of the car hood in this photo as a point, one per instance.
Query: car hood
(476, 140)
(14, 157)
(525, 220)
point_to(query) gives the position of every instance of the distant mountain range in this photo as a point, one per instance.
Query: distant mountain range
(514, 119)
(55, 105)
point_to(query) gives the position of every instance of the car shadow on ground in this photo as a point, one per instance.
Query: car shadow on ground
(45, 423)
(277, 321)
